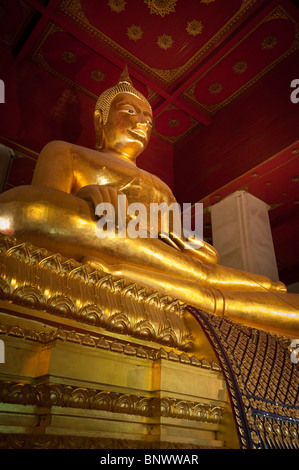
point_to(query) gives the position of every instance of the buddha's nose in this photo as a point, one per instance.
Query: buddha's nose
(142, 124)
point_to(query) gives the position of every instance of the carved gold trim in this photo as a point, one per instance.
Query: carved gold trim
(34, 441)
(35, 278)
(117, 5)
(106, 343)
(278, 12)
(48, 395)
(161, 8)
(37, 58)
(73, 9)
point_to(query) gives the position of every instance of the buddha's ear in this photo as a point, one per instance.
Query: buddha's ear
(99, 130)
(98, 119)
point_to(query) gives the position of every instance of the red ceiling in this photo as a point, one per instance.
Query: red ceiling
(217, 74)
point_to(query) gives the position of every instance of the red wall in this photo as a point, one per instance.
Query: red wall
(253, 127)
(158, 160)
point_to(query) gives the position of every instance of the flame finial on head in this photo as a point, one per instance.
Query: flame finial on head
(124, 85)
(125, 77)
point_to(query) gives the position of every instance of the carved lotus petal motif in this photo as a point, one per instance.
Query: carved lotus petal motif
(61, 305)
(29, 296)
(80, 398)
(103, 401)
(92, 315)
(118, 322)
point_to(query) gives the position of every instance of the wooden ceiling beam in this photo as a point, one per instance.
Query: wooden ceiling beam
(175, 95)
(225, 45)
(211, 58)
(197, 114)
(46, 13)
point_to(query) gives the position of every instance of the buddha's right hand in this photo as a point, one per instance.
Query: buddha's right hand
(96, 194)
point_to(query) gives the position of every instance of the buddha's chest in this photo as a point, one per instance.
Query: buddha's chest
(138, 185)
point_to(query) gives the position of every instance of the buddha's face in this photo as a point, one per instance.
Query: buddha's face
(129, 125)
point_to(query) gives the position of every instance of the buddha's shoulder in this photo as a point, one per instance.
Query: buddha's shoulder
(61, 145)
(157, 182)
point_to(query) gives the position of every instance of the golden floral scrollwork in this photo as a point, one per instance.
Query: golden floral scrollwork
(134, 32)
(106, 343)
(161, 7)
(194, 27)
(173, 122)
(215, 87)
(117, 5)
(165, 41)
(48, 395)
(49, 282)
(69, 57)
(269, 42)
(98, 75)
(240, 67)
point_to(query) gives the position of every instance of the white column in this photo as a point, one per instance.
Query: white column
(242, 234)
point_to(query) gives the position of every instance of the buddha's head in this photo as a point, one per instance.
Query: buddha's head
(123, 119)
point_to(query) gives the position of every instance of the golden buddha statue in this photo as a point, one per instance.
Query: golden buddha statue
(58, 212)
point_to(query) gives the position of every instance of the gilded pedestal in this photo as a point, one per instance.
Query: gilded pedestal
(95, 362)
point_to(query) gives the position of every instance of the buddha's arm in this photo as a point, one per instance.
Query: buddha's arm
(54, 167)
(196, 248)
(96, 194)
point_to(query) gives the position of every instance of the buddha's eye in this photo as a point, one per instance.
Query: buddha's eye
(128, 110)
(150, 123)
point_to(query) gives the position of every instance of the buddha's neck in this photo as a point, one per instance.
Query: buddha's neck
(120, 155)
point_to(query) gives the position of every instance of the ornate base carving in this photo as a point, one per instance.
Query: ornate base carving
(104, 390)
(35, 278)
(93, 362)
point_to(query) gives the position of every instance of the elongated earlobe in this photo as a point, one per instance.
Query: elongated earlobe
(99, 129)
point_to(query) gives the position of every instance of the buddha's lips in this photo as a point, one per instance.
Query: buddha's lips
(139, 133)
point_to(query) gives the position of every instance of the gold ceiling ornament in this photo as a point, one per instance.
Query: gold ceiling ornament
(165, 41)
(73, 9)
(194, 27)
(215, 87)
(69, 57)
(98, 75)
(134, 32)
(268, 42)
(240, 67)
(173, 122)
(117, 5)
(207, 1)
(161, 7)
